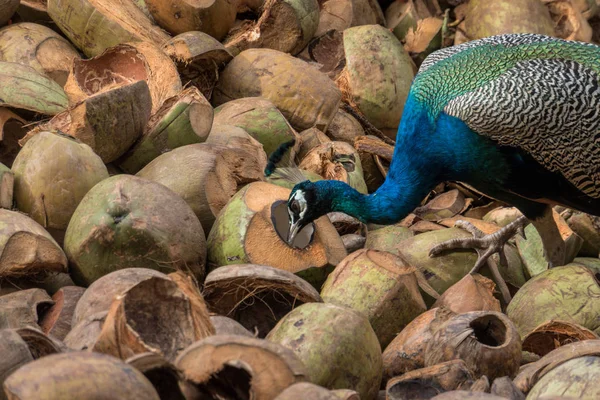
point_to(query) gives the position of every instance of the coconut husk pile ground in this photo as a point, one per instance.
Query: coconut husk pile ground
(143, 251)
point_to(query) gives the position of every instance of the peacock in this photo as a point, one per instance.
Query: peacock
(515, 117)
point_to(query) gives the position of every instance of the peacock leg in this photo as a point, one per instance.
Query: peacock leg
(554, 245)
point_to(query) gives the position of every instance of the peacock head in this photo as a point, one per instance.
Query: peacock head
(305, 204)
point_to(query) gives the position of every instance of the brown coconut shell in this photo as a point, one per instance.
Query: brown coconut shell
(57, 320)
(226, 364)
(257, 296)
(486, 340)
(425, 383)
(166, 379)
(552, 334)
(24, 308)
(344, 128)
(570, 21)
(445, 205)
(155, 315)
(84, 334)
(228, 326)
(504, 387)
(342, 14)
(407, 351)
(40, 344)
(7, 187)
(310, 139)
(306, 390)
(474, 292)
(15, 353)
(11, 131)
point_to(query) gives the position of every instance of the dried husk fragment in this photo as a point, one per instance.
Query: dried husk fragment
(474, 292)
(25, 88)
(305, 96)
(11, 131)
(122, 222)
(338, 161)
(47, 158)
(487, 341)
(213, 17)
(57, 320)
(572, 379)
(207, 176)
(374, 58)
(585, 226)
(306, 390)
(154, 315)
(199, 59)
(78, 375)
(15, 353)
(401, 17)
(183, 119)
(568, 293)
(257, 296)
(553, 334)
(407, 351)
(284, 25)
(336, 358)
(166, 379)
(260, 118)
(228, 364)
(122, 65)
(381, 286)
(38, 47)
(7, 186)
(445, 205)
(99, 295)
(250, 230)
(96, 25)
(23, 308)
(428, 382)
(26, 248)
(228, 326)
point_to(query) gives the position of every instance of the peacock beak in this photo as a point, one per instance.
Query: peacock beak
(293, 231)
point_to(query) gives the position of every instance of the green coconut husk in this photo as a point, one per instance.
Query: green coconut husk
(337, 357)
(571, 380)
(305, 96)
(387, 238)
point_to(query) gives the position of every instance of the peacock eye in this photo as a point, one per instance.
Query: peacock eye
(295, 207)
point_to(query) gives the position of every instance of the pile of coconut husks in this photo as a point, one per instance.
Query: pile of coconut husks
(142, 251)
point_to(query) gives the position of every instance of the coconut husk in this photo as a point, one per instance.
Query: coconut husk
(36, 11)
(504, 387)
(228, 326)
(425, 226)
(585, 226)
(76, 374)
(374, 167)
(227, 364)
(335, 357)
(487, 341)
(84, 334)
(381, 286)
(502, 216)
(15, 353)
(353, 242)
(386, 238)
(479, 212)
(257, 296)
(310, 139)
(570, 23)
(345, 224)
(305, 96)
(23, 308)
(251, 229)
(50, 282)
(96, 25)
(207, 176)
(45, 158)
(40, 345)
(122, 222)
(214, 17)
(443, 206)
(407, 351)
(342, 14)
(474, 292)
(284, 25)
(152, 316)
(7, 184)
(306, 390)
(38, 47)
(467, 395)
(26, 248)
(344, 128)
(481, 385)
(7, 10)
(401, 17)
(553, 334)
(11, 131)
(337, 161)
(123, 65)
(189, 286)
(571, 380)
(326, 52)
(199, 59)
(57, 320)
(181, 120)
(166, 379)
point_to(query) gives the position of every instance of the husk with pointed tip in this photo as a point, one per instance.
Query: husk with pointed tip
(336, 344)
(48, 158)
(183, 119)
(474, 292)
(244, 233)
(26, 248)
(259, 368)
(553, 334)
(96, 25)
(11, 131)
(23, 308)
(122, 222)
(305, 96)
(206, 176)
(257, 296)
(76, 375)
(57, 320)
(154, 315)
(381, 286)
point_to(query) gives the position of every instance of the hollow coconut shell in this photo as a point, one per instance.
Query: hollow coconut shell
(84, 334)
(305, 96)
(121, 65)
(206, 176)
(584, 225)
(244, 233)
(23, 308)
(45, 159)
(26, 248)
(487, 341)
(381, 286)
(553, 334)
(567, 293)
(96, 25)
(12, 129)
(347, 357)
(365, 80)
(78, 375)
(166, 379)
(182, 119)
(257, 296)
(123, 223)
(260, 368)
(57, 320)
